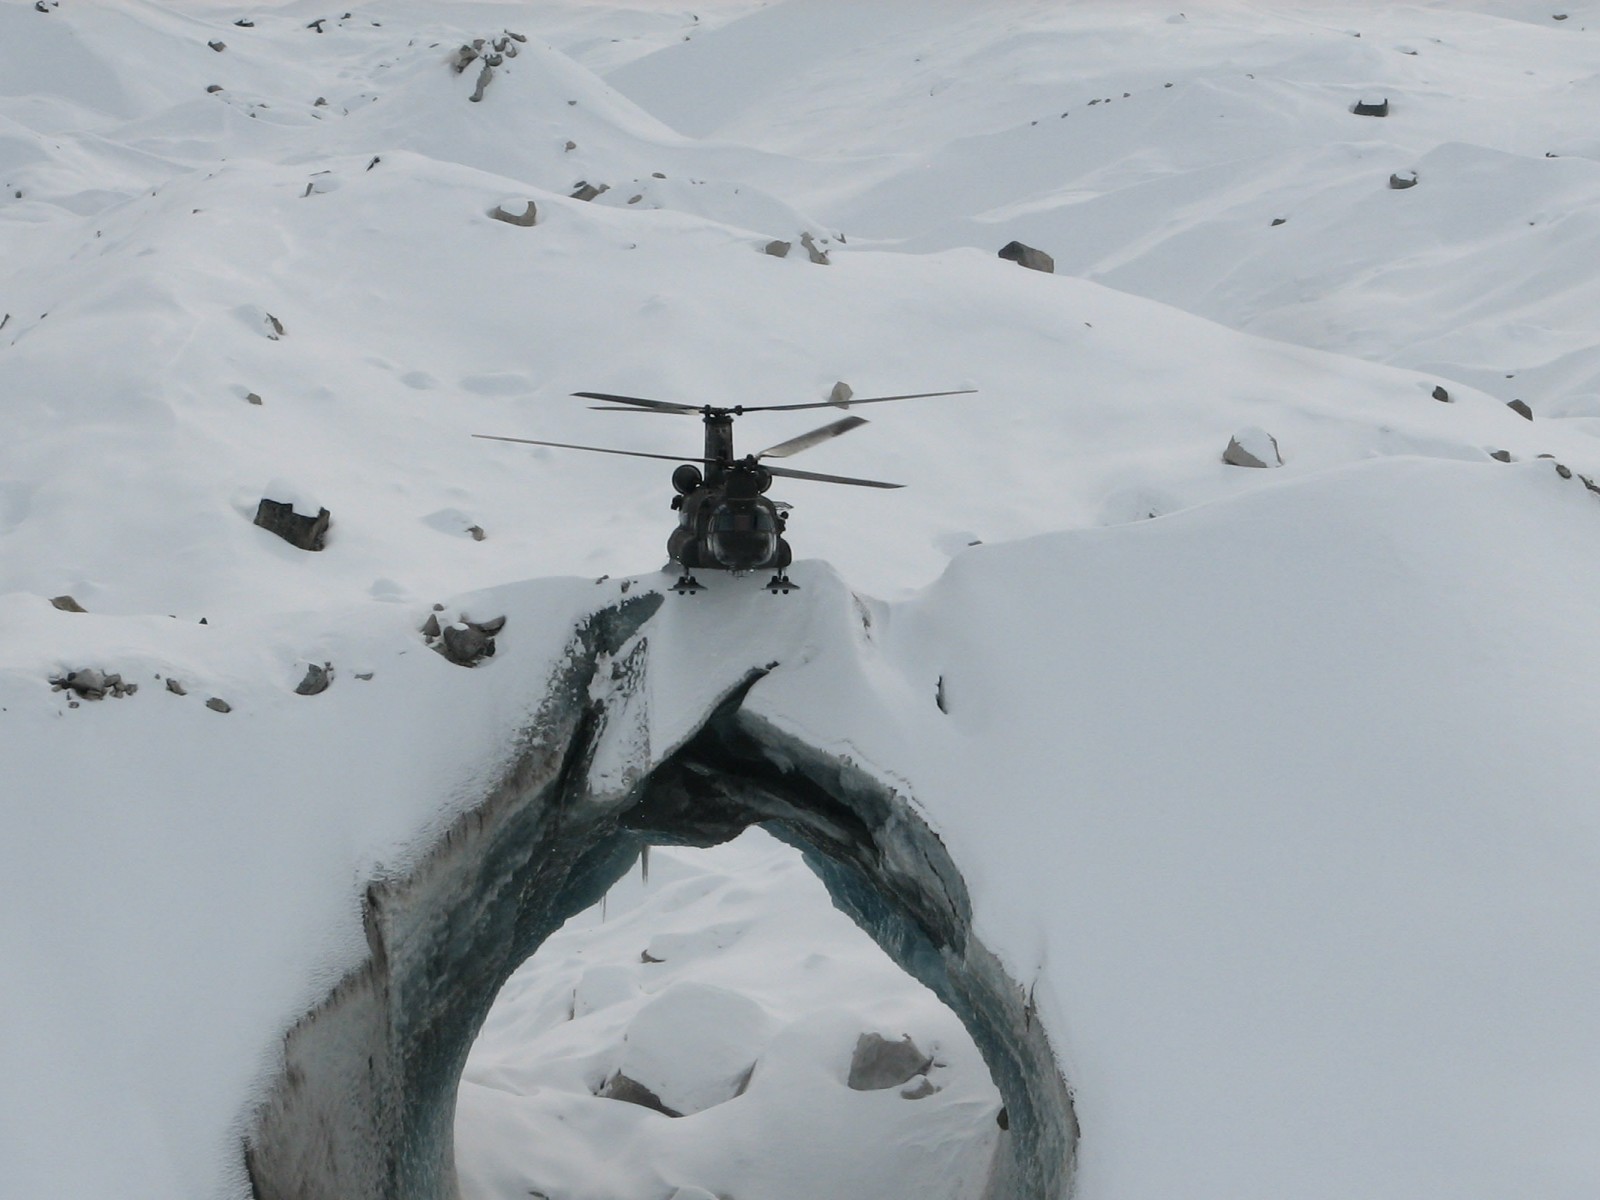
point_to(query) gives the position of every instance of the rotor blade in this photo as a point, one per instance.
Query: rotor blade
(677, 458)
(815, 438)
(640, 402)
(852, 402)
(791, 473)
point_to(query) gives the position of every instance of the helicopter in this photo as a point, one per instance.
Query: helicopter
(725, 521)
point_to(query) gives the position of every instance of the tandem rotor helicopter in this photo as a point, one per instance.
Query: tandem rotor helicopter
(725, 521)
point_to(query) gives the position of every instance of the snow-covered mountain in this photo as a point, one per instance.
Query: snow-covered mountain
(1266, 793)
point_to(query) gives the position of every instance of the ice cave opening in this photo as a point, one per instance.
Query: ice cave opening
(362, 1104)
(715, 1026)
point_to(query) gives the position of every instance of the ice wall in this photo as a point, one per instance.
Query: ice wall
(364, 1105)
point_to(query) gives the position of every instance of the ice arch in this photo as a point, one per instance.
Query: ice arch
(363, 1107)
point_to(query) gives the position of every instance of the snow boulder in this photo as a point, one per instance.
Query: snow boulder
(695, 1045)
(1252, 447)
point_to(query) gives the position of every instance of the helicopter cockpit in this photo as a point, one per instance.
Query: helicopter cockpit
(742, 536)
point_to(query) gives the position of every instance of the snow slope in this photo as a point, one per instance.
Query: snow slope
(1279, 800)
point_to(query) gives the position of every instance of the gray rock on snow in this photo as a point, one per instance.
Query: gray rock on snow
(1521, 409)
(878, 1063)
(484, 76)
(631, 1091)
(589, 191)
(317, 680)
(1371, 108)
(1028, 256)
(818, 255)
(218, 704)
(508, 211)
(67, 604)
(465, 643)
(777, 249)
(307, 533)
(841, 394)
(1441, 395)
(1252, 447)
(176, 687)
(1401, 180)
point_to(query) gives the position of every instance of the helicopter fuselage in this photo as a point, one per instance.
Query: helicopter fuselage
(725, 522)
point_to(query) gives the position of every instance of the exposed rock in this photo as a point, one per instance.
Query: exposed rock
(492, 626)
(213, 87)
(635, 198)
(1521, 409)
(365, 676)
(219, 47)
(777, 249)
(484, 76)
(245, 23)
(430, 627)
(507, 211)
(878, 1063)
(1500, 455)
(176, 687)
(1441, 395)
(1276, 221)
(308, 533)
(276, 327)
(841, 394)
(90, 683)
(218, 704)
(320, 102)
(67, 604)
(1402, 180)
(923, 1087)
(465, 645)
(1564, 471)
(631, 1091)
(588, 191)
(1371, 108)
(252, 398)
(817, 254)
(316, 681)
(477, 532)
(571, 145)
(1027, 256)
(1252, 447)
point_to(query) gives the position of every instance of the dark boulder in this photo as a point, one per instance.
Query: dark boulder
(308, 533)
(1027, 256)
(1371, 108)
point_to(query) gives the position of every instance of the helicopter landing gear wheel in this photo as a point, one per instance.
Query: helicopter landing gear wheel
(688, 585)
(782, 583)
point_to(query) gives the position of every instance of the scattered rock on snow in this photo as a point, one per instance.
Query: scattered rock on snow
(430, 627)
(465, 643)
(878, 1063)
(477, 532)
(1500, 455)
(176, 687)
(631, 1091)
(67, 604)
(275, 326)
(515, 212)
(308, 533)
(1521, 409)
(818, 255)
(1441, 395)
(776, 248)
(588, 191)
(1027, 256)
(1402, 180)
(317, 680)
(1276, 221)
(923, 1087)
(1371, 108)
(219, 47)
(841, 394)
(91, 683)
(1252, 447)
(218, 704)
